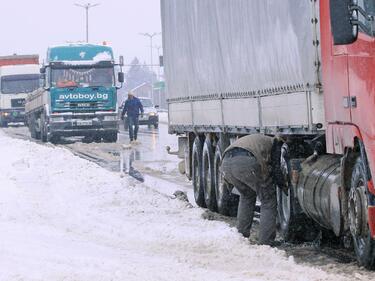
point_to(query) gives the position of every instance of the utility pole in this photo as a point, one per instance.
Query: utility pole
(158, 49)
(87, 8)
(151, 36)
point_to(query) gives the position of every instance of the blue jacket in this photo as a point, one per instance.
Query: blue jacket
(132, 107)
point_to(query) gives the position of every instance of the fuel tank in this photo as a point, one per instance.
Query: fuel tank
(320, 193)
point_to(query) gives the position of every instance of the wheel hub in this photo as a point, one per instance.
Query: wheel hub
(358, 211)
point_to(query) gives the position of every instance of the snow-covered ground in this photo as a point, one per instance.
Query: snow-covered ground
(64, 218)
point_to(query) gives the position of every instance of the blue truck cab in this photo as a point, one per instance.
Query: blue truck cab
(78, 96)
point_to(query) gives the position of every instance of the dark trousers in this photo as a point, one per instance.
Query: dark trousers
(243, 171)
(133, 121)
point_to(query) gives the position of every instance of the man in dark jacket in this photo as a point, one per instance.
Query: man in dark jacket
(132, 108)
(247, 166)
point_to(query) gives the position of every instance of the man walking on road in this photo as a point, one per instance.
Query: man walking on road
(132, 108)
(247, 166)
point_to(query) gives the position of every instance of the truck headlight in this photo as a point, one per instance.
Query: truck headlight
(110, 118)
(152, 114)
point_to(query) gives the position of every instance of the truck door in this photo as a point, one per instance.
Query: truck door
(335, 73)
(361, 57)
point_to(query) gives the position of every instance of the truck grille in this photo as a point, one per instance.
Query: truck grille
(17, 102)
(81, 105)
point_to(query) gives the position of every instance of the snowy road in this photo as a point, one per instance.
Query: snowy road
(64, 218)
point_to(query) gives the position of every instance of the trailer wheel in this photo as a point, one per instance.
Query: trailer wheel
(208, 175)
(227, 203)
(364, 245)
(196, 160)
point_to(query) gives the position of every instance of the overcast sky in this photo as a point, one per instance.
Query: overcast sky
(30, 26)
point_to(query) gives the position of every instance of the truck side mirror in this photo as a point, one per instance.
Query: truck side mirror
(344, 22)
(121, 77)
(43, 70)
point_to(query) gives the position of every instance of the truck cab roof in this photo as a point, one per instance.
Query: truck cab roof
(79, 54)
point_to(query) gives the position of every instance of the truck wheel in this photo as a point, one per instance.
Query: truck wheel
(37, 133)
(43, 128)
(32, 127)
(197, 178)
(208, 175)
(294, 226)
(364, 245)
(54, 139)
(110, 137)
(97, 138)
(227, 203)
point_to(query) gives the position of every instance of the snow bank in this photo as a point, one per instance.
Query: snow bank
(63, 218)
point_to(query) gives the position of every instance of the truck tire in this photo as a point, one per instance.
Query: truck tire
(291, 223)
(43, 128)
(227, 203)
(110, 137)
(54, 139)
(364, 245)
(34, 133)
(294, 225)
(196, 164)
(209, 175)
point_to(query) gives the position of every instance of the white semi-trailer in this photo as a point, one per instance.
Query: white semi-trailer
(300, 69)
(235, 68)
(19, 75)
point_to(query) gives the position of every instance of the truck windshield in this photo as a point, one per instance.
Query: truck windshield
(82, 77)
(146, 103)
(14, 84)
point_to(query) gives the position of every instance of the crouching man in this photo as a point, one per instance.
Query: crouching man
(247, 166)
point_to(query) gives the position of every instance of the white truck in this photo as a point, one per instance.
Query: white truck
(19, 75)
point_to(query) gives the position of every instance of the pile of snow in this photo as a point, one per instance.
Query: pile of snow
(103, 56)
(63, 218)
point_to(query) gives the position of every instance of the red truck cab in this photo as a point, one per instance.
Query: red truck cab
(348, 64)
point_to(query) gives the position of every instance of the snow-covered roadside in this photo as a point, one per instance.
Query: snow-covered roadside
(64, 218)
